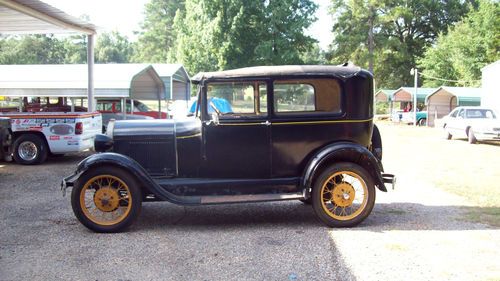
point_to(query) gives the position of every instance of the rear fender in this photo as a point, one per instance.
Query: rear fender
(343, 152)
(128, 164)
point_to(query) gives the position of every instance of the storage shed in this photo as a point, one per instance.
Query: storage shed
(176, 80)
(445, 99)
(384, 95)
(490, 96)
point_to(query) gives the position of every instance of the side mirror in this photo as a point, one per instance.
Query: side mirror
(215, 118)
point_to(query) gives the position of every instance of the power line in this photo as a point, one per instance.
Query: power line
(448, 80)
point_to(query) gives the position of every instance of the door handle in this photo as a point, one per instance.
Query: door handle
(267, 123)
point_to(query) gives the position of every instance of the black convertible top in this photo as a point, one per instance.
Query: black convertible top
(342, 71)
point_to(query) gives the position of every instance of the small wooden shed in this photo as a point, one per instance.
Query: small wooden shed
(384, 95)
(445, 99)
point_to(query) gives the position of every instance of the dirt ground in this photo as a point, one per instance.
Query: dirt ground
(442, 220)
(440, 223)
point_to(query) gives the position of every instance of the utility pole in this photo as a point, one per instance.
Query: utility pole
(414, 72)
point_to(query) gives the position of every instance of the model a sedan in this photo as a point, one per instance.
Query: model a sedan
(473, 123)
(293, 133)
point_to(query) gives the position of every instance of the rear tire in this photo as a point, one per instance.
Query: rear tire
(343, 195)
(30, 149)
(111, 194)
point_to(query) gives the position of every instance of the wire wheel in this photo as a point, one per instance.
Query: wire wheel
(343, 195)
(105, 200)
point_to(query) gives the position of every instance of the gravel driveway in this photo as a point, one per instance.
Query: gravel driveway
(416, 232)
(42, 240)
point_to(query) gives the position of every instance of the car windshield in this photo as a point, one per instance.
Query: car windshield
(481, 113)
(142, 107)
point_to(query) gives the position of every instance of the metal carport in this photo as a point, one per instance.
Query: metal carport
(445, 99)
(36, 17)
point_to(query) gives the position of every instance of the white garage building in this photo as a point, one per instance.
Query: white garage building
(490, 96)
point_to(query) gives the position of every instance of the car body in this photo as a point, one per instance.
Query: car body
(409, 117)
(473, 123)
(293, 133)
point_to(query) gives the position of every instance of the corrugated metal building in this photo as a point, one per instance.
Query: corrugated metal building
(445, 99)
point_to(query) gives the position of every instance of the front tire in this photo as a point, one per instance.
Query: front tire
(343, 195)
(447, 134)
(30, 149)
(422, 122)
(106, 199)
(471, 137)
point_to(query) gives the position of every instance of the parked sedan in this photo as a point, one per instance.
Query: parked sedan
(473, 123)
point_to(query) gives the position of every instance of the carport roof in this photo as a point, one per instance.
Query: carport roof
(64, 77)
(464, 94)
(33, 16)
(422, 93)
(388, 92)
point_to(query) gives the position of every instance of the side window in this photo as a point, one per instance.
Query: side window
(461, 113)
(235, 99)
(307, 96)
(454, 114)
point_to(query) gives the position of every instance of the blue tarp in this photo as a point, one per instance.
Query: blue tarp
(221, 104)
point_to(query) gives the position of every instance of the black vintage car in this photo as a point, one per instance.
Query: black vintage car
(286, 132)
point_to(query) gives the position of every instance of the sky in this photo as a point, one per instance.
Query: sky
(125, 16)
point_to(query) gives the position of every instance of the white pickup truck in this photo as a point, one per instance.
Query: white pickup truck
(36, 135)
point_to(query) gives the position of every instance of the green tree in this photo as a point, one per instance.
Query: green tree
(158, 34)
(31, 49)
(113, 47)
(389, 36)
(76, 49)
(467, 47)
(224, 34)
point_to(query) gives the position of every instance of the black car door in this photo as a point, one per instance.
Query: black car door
(236, 133)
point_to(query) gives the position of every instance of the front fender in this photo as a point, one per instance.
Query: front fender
(131, 166)
(344, 152)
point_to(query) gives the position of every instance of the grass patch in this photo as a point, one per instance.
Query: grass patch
(489, 216)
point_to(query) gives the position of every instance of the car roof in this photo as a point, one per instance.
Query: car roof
(339, 71)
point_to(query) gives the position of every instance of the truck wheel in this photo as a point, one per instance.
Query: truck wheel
(343, 195)
(471, 137)
(30, 149)
(106, 199)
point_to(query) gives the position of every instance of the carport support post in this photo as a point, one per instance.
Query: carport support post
(123, 102)
(90, 63)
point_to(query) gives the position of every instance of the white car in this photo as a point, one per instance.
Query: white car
(473, 123)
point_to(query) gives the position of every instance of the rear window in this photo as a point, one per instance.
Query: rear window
(307, 96)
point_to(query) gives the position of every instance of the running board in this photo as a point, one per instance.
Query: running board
(249, 198)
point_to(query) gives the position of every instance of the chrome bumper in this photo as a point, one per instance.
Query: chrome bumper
(389, 178)
(67, 182)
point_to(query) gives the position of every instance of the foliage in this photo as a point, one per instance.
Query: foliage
(34, 49)
(391, 34)
(158, 34)
(113, 47)
(224, 34)
(468, 47)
